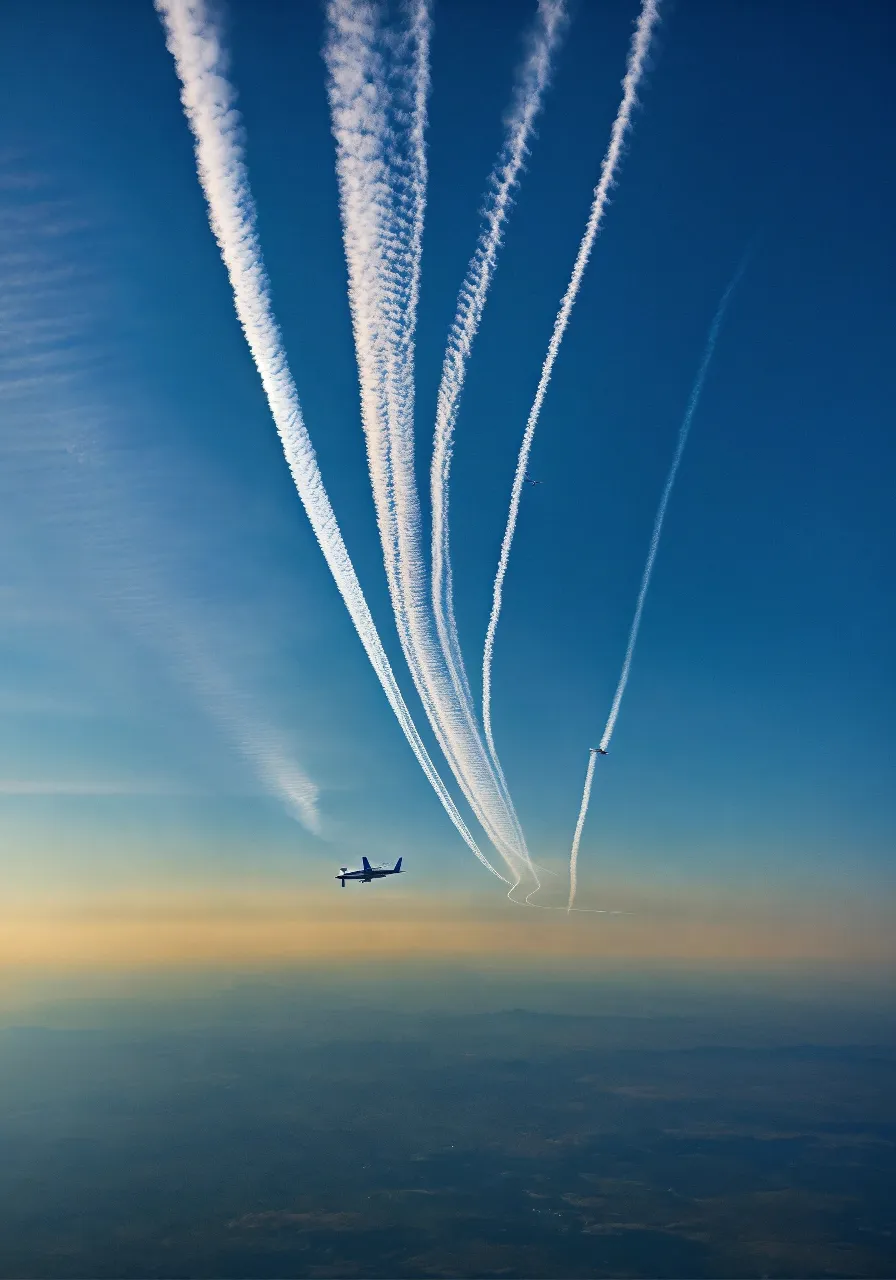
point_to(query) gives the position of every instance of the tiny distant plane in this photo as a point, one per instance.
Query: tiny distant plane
(598, 751)
(368, 873)
(527, 479)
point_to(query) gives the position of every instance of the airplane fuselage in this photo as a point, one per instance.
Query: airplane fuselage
(369, 873)
(365, 877)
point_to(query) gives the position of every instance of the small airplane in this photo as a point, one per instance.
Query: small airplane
(368, 873)
(598, 751)
(527, 479)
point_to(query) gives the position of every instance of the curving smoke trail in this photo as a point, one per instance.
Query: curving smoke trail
(209, 104)
(377, 85)
(637, 59)
(531, 82)
(683, 433)
(580, 823)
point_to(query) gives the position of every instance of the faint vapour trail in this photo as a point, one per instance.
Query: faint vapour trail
(683, 433)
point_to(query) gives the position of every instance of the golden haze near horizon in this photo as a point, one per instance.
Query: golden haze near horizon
(259, 926)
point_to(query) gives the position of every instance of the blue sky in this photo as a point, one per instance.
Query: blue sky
(156, 562)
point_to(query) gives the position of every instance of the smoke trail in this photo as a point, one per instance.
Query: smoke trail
(580, 823)
(637, 59)
(531, 82)
(683, 434)
(209, 105)
(377, 86)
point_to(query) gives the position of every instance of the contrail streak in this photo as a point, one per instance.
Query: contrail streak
(378, 87)
(580, 823)
(209, 104)
(531, 81)
(683, 433)
(647, 20)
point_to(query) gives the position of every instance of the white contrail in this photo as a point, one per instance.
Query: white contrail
(683, 434)
(209, 104)
(637, 59)
(378, 97)
(580, 823)
(531, 81)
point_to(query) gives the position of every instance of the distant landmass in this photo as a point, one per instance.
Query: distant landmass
(509, 1145)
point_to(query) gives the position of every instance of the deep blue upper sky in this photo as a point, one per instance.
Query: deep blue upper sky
(755, 740)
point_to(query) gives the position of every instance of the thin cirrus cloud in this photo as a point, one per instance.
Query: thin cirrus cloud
(87, 789)
(63, 445)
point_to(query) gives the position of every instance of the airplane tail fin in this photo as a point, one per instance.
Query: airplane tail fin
(397, 866)
(366, 864)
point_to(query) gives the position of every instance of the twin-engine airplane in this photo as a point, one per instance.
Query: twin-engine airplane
(368, 873)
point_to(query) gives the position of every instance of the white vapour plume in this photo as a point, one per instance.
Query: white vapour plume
(684, 432)
(531, 82)
(637, 59)
(260, 744)
(378, 87)
(577, 837)
(209, 104)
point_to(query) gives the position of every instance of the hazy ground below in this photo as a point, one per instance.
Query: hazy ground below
(260, 1131)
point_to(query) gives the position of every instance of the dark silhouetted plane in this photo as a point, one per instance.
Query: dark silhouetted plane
(368, 873)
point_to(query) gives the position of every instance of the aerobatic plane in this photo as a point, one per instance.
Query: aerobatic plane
(527, 479)
(598, 751)
(368, 873)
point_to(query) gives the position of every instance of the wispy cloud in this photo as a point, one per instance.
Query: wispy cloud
(88, 789)
(62, 446)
